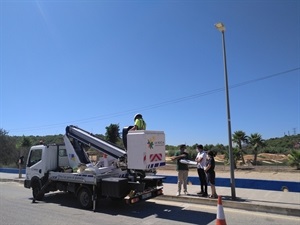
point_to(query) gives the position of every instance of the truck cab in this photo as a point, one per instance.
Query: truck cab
(41, 160)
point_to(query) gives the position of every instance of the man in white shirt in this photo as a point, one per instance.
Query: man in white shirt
(201, 163)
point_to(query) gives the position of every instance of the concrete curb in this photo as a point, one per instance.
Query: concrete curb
(12, 180)
(239, 204)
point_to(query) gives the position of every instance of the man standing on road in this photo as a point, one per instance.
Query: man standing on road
(201, 163)
(182, 169)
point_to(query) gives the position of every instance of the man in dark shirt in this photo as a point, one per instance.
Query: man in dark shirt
(182, 169)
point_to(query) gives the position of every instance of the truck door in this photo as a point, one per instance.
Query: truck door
(63, 160)
(34, 166)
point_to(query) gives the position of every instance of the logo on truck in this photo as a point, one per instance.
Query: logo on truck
(150, 142)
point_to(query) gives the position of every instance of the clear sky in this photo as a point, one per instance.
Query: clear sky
(95, 63)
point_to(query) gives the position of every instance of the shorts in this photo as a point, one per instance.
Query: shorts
(211, 178)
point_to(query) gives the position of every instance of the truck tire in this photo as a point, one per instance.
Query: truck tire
(84, 197)
(36, 191)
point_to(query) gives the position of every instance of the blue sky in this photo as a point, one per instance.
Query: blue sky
(96, 63)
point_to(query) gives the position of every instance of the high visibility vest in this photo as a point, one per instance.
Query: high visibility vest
(141, 124)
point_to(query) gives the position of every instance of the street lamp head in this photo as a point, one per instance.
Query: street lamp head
(220, 26)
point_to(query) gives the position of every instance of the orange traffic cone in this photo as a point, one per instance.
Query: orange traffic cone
(220, 213)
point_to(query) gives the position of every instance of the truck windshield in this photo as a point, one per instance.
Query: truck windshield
(35, 156)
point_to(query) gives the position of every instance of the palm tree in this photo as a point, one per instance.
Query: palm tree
(256, 141)
(240, 138)
(294, 159)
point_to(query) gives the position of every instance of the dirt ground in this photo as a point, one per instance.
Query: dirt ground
(262, 158)
(272, 170)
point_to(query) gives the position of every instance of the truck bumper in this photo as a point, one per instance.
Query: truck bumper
(133, 198)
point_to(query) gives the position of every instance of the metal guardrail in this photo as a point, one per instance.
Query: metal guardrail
(270, 185)
(12, 170)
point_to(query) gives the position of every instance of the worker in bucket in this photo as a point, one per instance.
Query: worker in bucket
(139, 122)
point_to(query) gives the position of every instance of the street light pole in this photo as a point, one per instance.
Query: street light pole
(221, 28)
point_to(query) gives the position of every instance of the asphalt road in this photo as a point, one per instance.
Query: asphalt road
(16, 208)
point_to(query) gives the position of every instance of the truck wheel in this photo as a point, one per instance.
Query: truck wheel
(85, 198)
(36, 192)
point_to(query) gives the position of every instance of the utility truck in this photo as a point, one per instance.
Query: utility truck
(120, 174)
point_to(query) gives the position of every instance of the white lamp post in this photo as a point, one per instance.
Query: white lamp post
(221, 28)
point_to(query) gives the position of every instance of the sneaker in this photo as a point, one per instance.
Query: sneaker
(186, 193)
(178, 194)
(213, 196)
(204, 195)
(199, 193)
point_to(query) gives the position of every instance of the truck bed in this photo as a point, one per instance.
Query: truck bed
(81, 178)
(85, 178)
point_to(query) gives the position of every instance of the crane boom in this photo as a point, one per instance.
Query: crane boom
(95, 142)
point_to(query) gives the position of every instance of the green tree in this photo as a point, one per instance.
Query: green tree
(294, 159)
(220, 148)
(236, 156)
(256, 141)
(26, 142)
(24, 146)
(7, 148)
(112, 133)
(240, 138)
